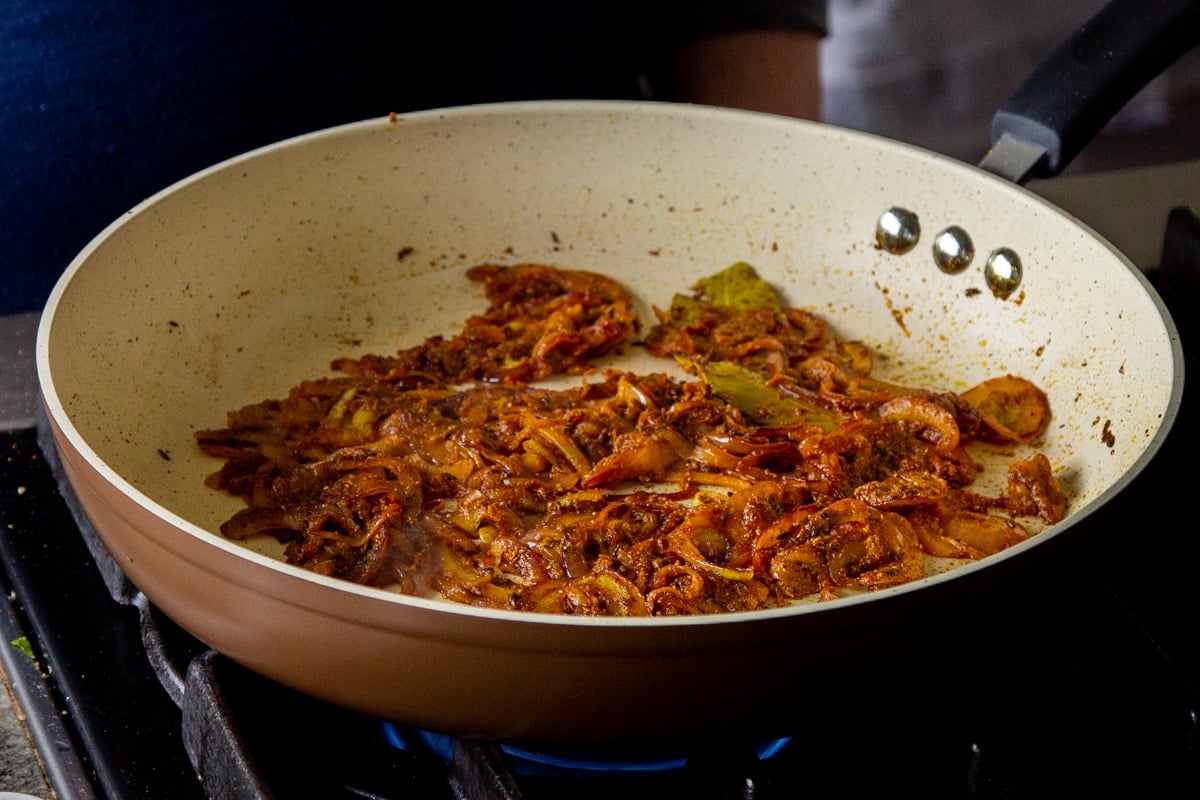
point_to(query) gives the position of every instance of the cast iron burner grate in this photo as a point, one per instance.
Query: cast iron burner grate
(1088, 683)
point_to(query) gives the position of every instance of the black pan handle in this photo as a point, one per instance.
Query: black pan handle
(1088, 79)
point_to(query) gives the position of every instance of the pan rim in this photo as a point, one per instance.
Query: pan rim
(64, 425)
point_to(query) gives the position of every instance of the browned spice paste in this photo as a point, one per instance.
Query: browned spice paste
(782, 471)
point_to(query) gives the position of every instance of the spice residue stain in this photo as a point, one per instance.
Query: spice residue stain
(897, 314)
(1106, 435)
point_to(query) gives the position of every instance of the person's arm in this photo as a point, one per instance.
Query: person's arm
(754, 54)
(772, 70)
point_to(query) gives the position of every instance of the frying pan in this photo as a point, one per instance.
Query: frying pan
(234, 284)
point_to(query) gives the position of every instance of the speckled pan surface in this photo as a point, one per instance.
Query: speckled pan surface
(233, 285)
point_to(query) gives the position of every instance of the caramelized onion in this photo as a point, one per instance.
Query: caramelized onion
(933, 421)
(786, 472)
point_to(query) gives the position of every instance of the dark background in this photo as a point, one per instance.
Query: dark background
(101, 105)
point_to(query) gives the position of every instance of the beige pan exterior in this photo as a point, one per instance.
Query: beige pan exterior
(233, 285)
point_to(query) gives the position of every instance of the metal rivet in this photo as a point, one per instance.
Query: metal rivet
(1002, 272)
(953, 250)
(897, 230)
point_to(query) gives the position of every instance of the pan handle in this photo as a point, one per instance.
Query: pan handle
(1070, 97)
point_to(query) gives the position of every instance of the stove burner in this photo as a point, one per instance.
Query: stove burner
(568, 762)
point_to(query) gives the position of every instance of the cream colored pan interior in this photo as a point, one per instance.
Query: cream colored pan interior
(235, 284)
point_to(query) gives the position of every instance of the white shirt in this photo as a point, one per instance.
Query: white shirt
(933, 72)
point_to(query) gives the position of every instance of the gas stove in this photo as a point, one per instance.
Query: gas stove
(1089, 679)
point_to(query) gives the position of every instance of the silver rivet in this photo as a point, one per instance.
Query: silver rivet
(1002, 272)
(953, 250)
(897, 230)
